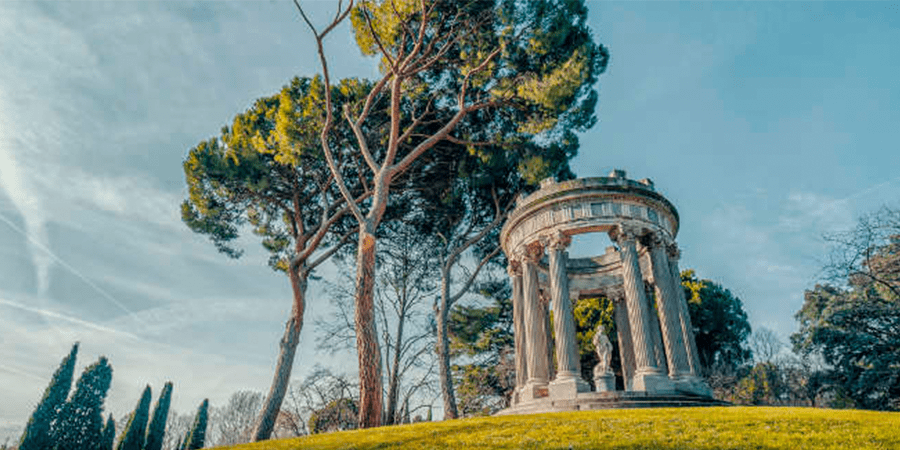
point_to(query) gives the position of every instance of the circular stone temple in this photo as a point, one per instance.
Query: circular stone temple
(658, 355)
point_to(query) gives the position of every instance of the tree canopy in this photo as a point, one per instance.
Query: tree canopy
(512, 74)
(721, 327)
(266, 173)
(855, 327)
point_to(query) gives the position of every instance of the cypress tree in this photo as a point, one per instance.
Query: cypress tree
(196, 437)
(81, 418)
(157, 429)
(133, 435)
(38, 433)
(108, 437)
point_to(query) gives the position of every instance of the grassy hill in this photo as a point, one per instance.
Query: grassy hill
(664, 428)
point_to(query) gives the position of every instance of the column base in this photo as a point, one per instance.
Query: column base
(568, 387)
(605, 382)
(652, 382)
(690, 384)
(533, 390)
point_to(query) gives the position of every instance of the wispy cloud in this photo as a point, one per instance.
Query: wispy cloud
(47, 313)
(38, 246)
(770, 259)
(16, 185)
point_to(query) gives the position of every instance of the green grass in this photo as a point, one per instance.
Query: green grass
(663, 428)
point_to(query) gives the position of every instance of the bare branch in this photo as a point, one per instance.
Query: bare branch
(329, 117)
(324, 256)
(468, 283)
(361, 140)
(377, 39)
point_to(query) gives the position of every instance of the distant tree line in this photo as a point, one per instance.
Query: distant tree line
(74, 421)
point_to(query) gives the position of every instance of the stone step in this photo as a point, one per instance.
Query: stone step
(617, 402)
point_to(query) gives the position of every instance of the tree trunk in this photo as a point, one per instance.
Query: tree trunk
(394, 384)
(368, 352)
(265, 423)
(443, 348)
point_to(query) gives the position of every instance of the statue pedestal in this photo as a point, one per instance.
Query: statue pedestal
(604, 382)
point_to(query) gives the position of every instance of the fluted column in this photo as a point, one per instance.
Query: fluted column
(647, 376)
(546, 329)
(515, 273)
(568, 380)
(691, 382)
(668, 310)
(658, 353)
(684, 315)
(626, 349)
(536, 337)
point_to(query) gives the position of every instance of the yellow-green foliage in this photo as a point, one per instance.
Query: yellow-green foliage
(664, 428)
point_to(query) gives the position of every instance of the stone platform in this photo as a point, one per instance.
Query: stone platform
(610, 400)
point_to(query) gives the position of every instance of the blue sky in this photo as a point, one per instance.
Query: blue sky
(766, 124)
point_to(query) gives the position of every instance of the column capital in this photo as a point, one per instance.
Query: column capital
(673, 251)
(514, 268)
(656, 239)
(533, 252)
(624, 232)
(558, 240)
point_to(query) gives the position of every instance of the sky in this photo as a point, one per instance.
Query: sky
(767, 124)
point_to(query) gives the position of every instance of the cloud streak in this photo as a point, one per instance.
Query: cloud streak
(17, 187)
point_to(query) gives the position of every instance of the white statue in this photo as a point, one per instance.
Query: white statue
(604, 352)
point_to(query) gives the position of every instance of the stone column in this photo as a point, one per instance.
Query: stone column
(659, 354)
(568, 380)
(535, 334)
(626, 349)
(668, 310)
(515, 273)
(545, 328)
(692, 382)
(647, 376)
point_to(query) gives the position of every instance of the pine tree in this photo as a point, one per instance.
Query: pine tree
(108, 437)
(133, 436)
(196, 437)
(81, 418)
(38, 433)
(157, 429)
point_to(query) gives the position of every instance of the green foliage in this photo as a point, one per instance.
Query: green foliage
(722, 428)
(857, 333)
(39, 431)
(483, 330)
(108, 436)
(196, 437)
(81, 418)
(337, 415)
(135, 430)
(721, 327)
(762, 386)
(482, 336)
(157, 428)
(265, 171)
(528, 68)
(855, 326)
